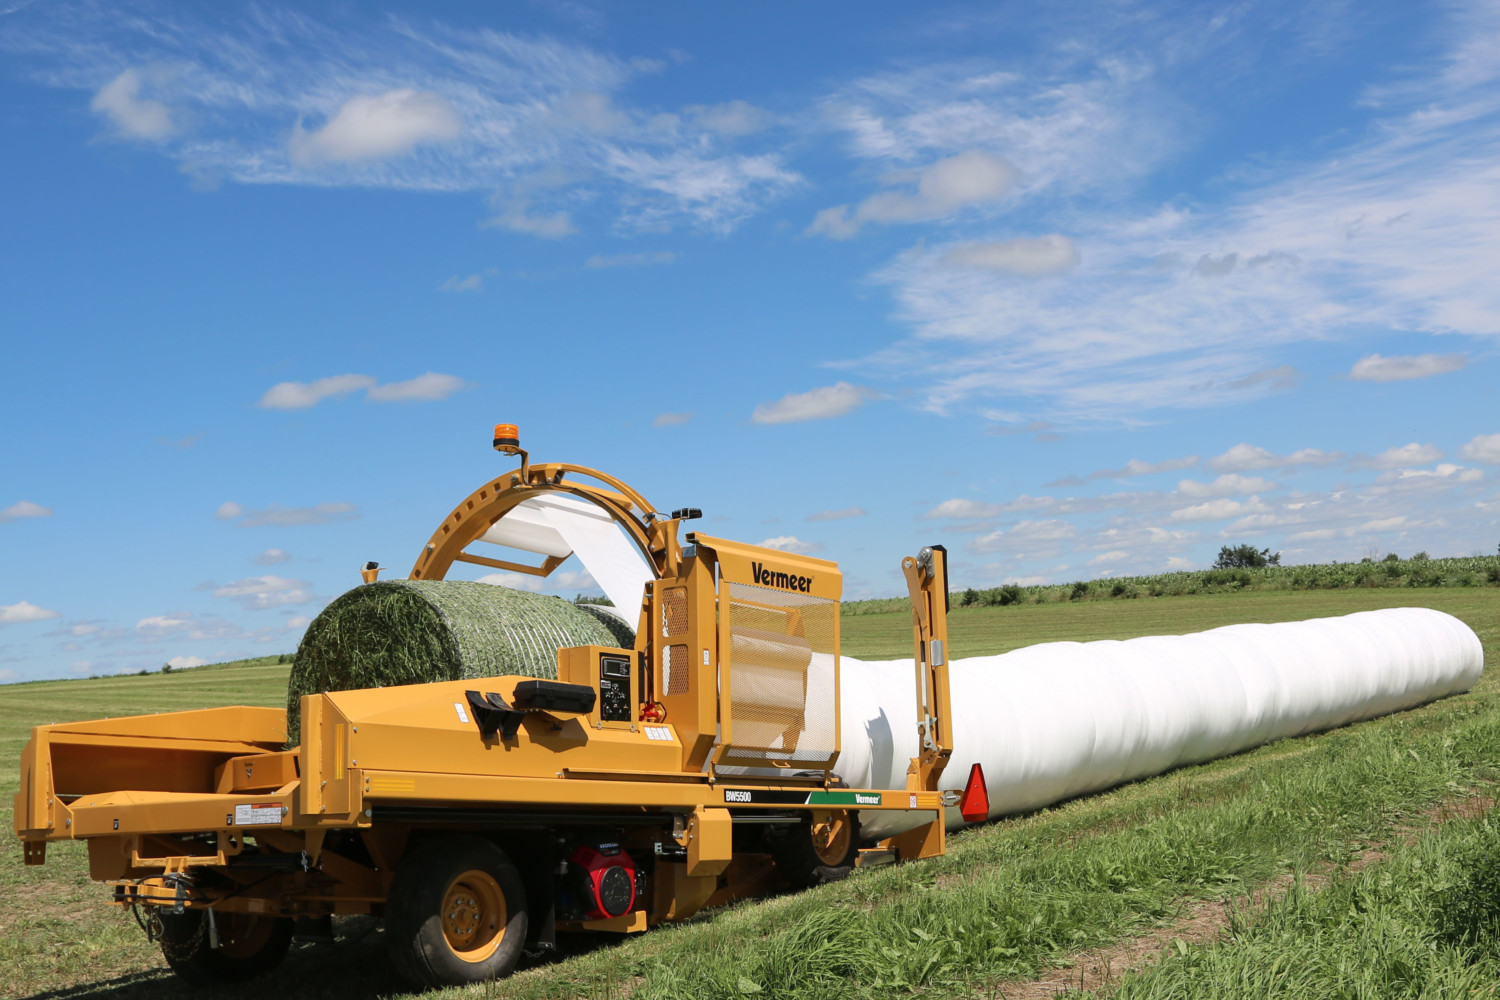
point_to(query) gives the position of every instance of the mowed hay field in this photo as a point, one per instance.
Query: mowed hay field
(1011, 899)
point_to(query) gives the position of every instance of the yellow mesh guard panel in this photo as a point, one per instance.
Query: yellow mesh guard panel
(781, 677)
(678, 670)
(674, 622)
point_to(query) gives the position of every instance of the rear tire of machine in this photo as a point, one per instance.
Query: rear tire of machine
(456, 913)
(249, 945)
(799, 859)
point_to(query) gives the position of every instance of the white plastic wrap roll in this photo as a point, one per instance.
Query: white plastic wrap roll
(1061, 719)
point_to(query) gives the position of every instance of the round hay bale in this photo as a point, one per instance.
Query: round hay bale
(609, 616)
(418, 631)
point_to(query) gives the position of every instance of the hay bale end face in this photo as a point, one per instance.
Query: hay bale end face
(419, 631)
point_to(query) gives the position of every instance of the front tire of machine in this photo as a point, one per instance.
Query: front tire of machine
(456, 913)
(249, 944)
(820, 849)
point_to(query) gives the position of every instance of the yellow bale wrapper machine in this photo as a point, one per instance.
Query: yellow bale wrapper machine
(481, 817)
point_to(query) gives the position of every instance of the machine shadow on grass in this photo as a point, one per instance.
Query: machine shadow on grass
(355, 966)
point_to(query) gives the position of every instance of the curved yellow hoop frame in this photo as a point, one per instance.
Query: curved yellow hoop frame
(492, 501)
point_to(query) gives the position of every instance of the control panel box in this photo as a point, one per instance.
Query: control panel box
(615, 674)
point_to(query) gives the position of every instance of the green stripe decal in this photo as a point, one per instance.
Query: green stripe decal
(843, 799)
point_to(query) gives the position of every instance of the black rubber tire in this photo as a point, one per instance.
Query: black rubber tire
(797, 860)
(249, 945)
(413, 912)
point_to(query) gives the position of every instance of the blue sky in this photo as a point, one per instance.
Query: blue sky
(1074, 289)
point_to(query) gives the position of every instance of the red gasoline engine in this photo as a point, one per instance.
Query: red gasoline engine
(606, 874)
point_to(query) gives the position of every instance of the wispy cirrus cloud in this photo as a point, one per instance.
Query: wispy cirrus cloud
(1185, 305)
(273, 95)
(430, 387)
(815, 404)
(278, 516)
(1374, 368)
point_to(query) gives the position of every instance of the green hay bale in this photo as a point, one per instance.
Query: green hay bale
(607, 616)
(418, 631)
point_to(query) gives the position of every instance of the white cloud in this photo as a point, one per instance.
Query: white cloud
(1391, 225)
(24, 508)
(671, 419)
(185, 625)
(1384, 524)
(1375, 368)
(256, 593)
(1026, 536)
(427, 388)
(1251, 458)
(22, 612)
(297, 623)
(838, 515)
(271, 557)
(945, 187)
(471, 283)
(561, 582)
(417, 105)
(274, 515)
(1031, 258)
(1136, 467)
(716, 194)
(516, 215)
(165, 624)
(1178, 563)
(1404, 456)
(185, 662)
(1218, 510)
(733, 118)
(133, 116)
(1483, 448)
(301, 395)
(815, 404)
(600, 261)
(1445, 471)
(376, 126)
(791, 543)
(962, 507)
(1109, 558)
(1227, 485)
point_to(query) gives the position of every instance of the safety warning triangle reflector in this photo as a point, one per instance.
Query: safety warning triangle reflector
(975, 805)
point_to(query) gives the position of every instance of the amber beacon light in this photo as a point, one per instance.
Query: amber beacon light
(507, 438)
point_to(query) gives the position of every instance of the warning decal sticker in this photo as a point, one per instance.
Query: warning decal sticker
(257, 815)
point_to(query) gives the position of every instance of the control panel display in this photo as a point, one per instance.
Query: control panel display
(614, 689)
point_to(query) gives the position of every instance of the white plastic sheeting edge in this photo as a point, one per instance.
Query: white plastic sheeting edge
(1061, 719)
(557, 525)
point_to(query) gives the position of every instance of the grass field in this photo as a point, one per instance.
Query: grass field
(1010, 898)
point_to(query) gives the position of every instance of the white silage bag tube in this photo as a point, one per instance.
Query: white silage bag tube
(1061, 719)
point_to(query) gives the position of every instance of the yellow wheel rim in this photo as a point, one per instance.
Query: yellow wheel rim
(831, 833)
(474, 915)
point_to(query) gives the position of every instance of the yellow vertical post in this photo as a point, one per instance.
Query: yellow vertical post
(927, 583)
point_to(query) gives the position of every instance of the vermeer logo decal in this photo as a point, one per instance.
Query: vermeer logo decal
(786, 581)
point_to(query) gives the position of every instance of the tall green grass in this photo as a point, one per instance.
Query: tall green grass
(1425, 923)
